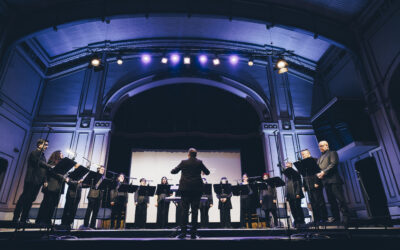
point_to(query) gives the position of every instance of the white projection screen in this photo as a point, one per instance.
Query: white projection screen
(153, 165)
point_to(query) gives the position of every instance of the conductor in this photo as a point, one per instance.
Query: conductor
(191, 188)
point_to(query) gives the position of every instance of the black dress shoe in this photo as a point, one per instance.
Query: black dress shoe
(194, 236)
(181, 236)
(332, 220)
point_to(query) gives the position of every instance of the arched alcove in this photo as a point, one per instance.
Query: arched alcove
(179, 116)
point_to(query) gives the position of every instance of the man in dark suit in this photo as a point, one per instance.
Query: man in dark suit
(328, 163)
(94, 197)
(191, 188)
(34, 179)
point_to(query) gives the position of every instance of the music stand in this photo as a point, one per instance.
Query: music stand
(163, 189)
(307, 167)
(78, 173)
(291, 174)
(146, 190)
(207, 189)
(91, 179)
(223, 190)
(240, 190)
(63, 166)
(127, 188)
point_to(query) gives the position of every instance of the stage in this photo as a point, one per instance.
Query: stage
(329, 238)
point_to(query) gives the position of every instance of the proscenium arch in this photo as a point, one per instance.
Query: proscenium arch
(261, 106)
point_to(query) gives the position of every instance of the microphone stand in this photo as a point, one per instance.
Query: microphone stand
(283, 190)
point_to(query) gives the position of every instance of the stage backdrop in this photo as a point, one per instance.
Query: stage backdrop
(153, 165)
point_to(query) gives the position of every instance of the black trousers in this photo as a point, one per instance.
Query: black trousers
(245, 212)
(25, 201)
(141, 215)
(297, 211)
(190, 200)
(268, 219)
(162, 213)
(336, 199)
(70, 208)
(92, 209)
(204, 215)
(318, 204)
(116, 213)
(178, 213)
(225, 217)
(47, 207)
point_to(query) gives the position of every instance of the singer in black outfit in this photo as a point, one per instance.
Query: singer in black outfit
(328, 163)
(73, 198)
(95, 197)
(294, 194)
(245, 204)
(52, 191)
(191, 187)
(163, 191)
(268, 202)
(142, 203)
(205, 205)
(313, 185)
(118, 203)
(224, 204)
(36, 176)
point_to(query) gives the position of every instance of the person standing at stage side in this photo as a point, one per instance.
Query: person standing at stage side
(205, 205)
(245, 204)
(328, 163)
(142, 203)
(294, 194)
(73, 197)
(313, 185)
(191, 187)
(118, 202)
(224, 204)
(34, 179)
(94, 197)
(162, 204)
(268, 202)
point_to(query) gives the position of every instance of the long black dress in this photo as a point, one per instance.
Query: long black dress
(120, 199)
(73, 198)
(141, 209)
(162, 205)
(245, 207)
(267, 197)
(225, 208)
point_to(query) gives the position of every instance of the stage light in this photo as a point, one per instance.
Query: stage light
(203, 59)
(119, 60)
(283, 70)
(164, 60)
(250, 62)
(175, 58)
(216, 61)
(70, 152)
(281, 63)
(146, 58)
(186, 60)
(233, 59)
(95, 62)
